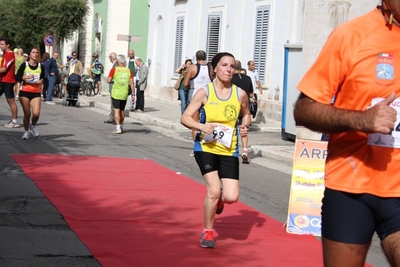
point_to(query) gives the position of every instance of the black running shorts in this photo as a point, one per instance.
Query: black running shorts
(227, 166)
(119, 104)
(354, 218)
(7, 89)
(29, 95)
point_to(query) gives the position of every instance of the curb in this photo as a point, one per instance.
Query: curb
(284, 154)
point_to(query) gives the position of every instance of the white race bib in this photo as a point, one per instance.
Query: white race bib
(35, 79)
(221, 134)
(387, 140)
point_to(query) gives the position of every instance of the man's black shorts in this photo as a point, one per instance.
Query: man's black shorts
(7, 89)
(354, 218)
(97, 77)
(118, 104)
(227, 166)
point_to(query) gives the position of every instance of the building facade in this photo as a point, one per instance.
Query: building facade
(110, 24)
(166, 32)
(249, 29)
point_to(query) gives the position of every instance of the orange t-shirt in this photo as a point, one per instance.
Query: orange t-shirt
(359, 62)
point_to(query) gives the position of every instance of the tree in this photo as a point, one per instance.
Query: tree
(26, 22)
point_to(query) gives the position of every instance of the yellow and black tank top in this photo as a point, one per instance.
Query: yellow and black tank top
(225, 113)
(32, 85)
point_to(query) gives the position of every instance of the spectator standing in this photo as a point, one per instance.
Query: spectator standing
(132, 66)
(141, 83)
(183, 91)
(45, 61)
(244, 82)
(52, 70)
(253, 74)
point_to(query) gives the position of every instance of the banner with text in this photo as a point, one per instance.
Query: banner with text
(307, 188)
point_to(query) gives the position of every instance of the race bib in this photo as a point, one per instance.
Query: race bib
(35, 79)
(221, 134)
(387, 140)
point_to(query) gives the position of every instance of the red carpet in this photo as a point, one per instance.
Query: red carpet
(134, 212)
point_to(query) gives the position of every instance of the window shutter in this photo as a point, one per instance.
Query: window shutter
(261, 40)
(213, 35)
(178, 43)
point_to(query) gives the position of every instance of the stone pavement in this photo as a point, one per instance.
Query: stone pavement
(264, 137)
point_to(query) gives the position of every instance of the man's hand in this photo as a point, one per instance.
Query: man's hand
(380, 118)
(243, 130)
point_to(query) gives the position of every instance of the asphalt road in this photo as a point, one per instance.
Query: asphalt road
(33, 233)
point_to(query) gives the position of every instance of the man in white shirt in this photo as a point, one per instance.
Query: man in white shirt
(252, 72)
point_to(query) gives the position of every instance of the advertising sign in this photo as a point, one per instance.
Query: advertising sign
(307, 188)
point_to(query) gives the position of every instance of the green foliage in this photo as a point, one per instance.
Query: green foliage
(26, 22)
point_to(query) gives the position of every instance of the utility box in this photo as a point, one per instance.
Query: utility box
(292, 76)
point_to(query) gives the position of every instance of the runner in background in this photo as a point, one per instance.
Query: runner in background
(7, 80)
(31, 75)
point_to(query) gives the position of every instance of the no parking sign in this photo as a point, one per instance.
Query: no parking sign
(48, 40)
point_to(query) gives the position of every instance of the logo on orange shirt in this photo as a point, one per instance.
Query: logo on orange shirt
(385, 66)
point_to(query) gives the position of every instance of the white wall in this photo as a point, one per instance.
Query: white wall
(306, 22)
(117, 23)
(322, 16)
(237, 37)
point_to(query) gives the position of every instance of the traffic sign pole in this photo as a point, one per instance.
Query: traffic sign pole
(129, 38)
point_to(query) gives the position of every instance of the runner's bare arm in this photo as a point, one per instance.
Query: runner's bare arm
(329, 119)
(195, 104)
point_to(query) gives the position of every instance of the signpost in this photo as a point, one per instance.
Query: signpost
(129, 38)
(48, 40)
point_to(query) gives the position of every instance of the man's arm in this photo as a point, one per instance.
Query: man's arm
(110, 75)
(259, 87)
(324, 118)
(10, 59)
(189, 75)
(132, 85)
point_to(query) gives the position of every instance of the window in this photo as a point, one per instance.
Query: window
(213, 34)
(178, 43)
(261, 40)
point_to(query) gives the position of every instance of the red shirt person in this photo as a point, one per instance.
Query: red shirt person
(7, 80)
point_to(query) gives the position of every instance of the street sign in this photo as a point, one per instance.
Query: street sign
(129, 38)
(48, 40)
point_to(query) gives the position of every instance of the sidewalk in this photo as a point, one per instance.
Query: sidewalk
(264, 138)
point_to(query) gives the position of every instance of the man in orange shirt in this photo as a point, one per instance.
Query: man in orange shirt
(350, 92)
